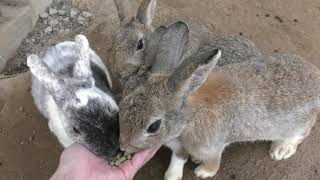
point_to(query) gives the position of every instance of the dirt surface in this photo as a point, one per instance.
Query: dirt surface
(29, 151)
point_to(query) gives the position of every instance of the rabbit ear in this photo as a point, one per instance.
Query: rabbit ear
(193, 72)
(40, 70)
(171, 48)
(152, 44)
(124, 9)
(146, 13)
(82, 68)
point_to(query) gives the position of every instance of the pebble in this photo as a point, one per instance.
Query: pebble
(66, 19)
(21, 109)
(81, 20)
(86, 14)
(48, 30)
(61, 12)
(31, 138)
(44, 15)
(53, 22)
(73, 13)
(52, 11)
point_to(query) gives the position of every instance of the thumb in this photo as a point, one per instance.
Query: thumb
(131, 167)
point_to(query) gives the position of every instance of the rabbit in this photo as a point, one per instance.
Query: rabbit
(201, 108)
(71, 88)
(136, 36)
(235, 50)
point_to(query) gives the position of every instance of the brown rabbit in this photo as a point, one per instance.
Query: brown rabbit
(201, 108)
(135, 41)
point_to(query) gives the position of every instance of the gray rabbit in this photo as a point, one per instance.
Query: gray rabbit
(136, 39)
(71, 87)
(200, 108)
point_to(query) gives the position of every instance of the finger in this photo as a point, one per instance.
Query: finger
(140, 158)
(130, 168)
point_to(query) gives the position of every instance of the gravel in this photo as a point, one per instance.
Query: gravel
(48, 30)
(44, 15)
(60, 22)
(52, 11)
(73, 13)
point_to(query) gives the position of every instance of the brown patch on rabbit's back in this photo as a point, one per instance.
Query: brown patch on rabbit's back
(216, 89)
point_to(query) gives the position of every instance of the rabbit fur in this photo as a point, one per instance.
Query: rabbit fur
(127, 56)
(71, 87)
(200, 108)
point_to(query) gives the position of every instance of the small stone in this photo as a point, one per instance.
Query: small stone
(31, 138)
(267, 15)
(48, 30)
(44, 15)
(53, 22)
(81, 20)
(67, 19)
(33, 40)
(52, 11)
(22, 142)
(21, 109)
(73, 13)
(86, 14)
(61, 12)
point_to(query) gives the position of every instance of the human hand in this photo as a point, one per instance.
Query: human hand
(78, 163)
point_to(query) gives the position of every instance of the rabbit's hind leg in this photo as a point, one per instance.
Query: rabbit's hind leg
(283, 149)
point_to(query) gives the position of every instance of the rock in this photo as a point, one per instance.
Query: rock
(73, 13)
(86, 14)
(81, 20)
(61, 12)
(44, 15)
(53, 22)
(67, 19)
(48, 30)
(52, 11)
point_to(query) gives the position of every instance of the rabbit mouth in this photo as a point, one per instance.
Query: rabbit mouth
(130, 149)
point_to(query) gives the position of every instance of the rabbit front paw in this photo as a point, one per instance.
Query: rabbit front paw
(203, 172)
(282, 150)
(173, 175)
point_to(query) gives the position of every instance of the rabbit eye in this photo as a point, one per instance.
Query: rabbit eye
(76, 130)
(154, 127)
(140, 45)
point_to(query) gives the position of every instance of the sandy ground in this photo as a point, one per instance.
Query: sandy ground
(29, 151)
